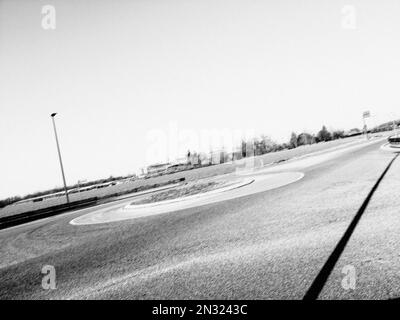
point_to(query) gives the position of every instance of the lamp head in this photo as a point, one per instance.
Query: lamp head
(53, 115)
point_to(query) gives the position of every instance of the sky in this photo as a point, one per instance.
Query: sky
(141, 81)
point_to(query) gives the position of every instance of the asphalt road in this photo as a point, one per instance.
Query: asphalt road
(267, 245)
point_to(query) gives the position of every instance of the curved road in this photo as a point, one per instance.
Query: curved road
(267, 245)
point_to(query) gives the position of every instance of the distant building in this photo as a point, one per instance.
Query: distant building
(156, 169)
(42, 198)
(353, 132)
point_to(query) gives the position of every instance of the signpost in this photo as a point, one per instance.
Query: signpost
(79, 184)
(366, 114)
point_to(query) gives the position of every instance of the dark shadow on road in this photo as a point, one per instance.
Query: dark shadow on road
(322, 277)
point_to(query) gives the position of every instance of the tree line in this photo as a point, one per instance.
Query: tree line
(264, 144)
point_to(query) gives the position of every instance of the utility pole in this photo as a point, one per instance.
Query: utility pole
(59, 156)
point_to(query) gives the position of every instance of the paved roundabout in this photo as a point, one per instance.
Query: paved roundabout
(254, 183)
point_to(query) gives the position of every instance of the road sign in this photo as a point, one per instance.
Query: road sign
(366, 114)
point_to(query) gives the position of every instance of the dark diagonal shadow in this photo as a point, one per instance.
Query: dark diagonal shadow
(319, 282)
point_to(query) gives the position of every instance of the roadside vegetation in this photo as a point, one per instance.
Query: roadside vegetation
(258, 146)
(11, 200)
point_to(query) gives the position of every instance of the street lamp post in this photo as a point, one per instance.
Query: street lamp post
(59, 156)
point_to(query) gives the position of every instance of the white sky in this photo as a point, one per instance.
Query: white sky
(115, 71)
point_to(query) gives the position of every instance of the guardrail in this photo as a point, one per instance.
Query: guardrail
(11, 221)
(14, 220)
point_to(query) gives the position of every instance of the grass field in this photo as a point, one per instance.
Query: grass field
(187, 189)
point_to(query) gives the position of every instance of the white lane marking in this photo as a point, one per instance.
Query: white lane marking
(260, 184)
(194, 196)
(114, 204)
(388, 147)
